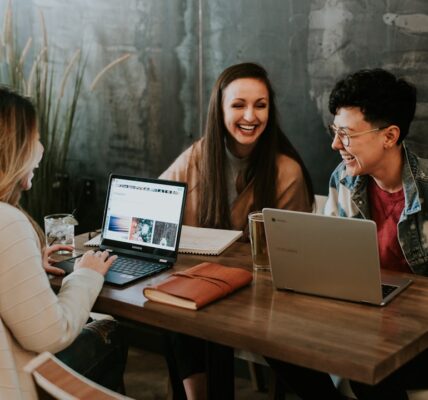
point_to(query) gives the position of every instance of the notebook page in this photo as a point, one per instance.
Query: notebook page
(206, 240)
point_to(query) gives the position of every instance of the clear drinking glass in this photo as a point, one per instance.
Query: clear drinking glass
(59, 229)
(259, 250)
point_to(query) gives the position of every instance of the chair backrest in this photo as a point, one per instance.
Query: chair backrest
(320, 201)
(55, 380)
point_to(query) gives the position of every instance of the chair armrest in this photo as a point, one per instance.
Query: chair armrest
(53, 377)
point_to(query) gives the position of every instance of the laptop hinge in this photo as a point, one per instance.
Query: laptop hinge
(133, 253)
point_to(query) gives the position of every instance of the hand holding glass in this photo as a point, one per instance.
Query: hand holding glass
(59, 229)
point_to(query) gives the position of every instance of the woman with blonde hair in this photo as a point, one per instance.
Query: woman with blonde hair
(32, 318)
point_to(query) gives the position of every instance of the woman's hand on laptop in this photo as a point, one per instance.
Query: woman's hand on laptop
(49, 263)
(99, 261)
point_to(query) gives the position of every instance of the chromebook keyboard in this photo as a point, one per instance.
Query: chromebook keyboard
(136, 267)
(387, 290)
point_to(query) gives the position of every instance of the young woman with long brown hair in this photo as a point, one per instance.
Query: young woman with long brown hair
(243, 162)
(32, 318)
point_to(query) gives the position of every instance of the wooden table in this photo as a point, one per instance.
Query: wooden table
(356, 341)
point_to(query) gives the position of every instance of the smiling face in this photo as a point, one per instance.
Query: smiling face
(246, 113)
(365, 153)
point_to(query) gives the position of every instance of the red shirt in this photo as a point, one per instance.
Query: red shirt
(386, 209)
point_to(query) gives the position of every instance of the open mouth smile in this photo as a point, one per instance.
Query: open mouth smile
(247, 128)
(347, 158)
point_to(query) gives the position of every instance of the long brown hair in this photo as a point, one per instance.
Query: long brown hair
(213, 205)
(18, 140)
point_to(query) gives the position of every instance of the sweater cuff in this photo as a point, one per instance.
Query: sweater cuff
(95, 277)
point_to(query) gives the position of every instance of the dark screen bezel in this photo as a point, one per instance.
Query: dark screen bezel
(137, 249)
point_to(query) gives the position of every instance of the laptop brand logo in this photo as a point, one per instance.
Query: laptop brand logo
(279, 220)
(137, 247)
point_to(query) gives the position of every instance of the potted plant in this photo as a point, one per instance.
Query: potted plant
(55, 95)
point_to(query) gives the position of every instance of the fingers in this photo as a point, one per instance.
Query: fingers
(111, 260)
(56, 247)
(99, 261)
(54, 270)
(102, 254)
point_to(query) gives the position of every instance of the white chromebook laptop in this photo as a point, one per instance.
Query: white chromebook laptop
(327, 256)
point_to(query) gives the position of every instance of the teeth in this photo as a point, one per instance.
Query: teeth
(247, 127)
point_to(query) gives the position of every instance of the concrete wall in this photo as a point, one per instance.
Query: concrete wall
(147, 110)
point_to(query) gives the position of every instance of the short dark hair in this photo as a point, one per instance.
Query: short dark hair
(381, 97)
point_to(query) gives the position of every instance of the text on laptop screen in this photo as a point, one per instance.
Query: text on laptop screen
(143, 213)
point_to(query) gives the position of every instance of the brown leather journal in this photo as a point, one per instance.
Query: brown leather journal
(199, 285)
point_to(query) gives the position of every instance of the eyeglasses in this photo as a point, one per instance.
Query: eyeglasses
(344, 136)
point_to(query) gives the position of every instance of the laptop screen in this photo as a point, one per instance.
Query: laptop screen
(143, 215)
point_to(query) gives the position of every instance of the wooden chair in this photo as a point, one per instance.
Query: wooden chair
(345, 389)
(54, 380)
(256, 363)
(418, 394)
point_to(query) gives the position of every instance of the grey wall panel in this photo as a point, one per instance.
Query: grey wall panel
(348, 35)
(147, 110)
(137, 118)
(275, 34)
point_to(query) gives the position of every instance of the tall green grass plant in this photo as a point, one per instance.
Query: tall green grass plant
(55, 95)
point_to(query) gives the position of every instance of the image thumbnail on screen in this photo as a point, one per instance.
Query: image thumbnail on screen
(165, 233)
(141, 230)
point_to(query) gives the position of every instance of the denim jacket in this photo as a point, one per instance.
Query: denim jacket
(348, 197)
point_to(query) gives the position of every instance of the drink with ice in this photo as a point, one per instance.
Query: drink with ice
(59, 229)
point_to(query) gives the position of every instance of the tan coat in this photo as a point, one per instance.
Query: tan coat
(291, 188)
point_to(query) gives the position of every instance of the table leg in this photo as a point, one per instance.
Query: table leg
(220, 372)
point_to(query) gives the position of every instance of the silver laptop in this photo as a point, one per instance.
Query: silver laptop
(327, 256)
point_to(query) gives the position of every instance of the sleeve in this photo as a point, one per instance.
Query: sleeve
(38, 319)
(331, 207)
(292, 193)
(177, 171)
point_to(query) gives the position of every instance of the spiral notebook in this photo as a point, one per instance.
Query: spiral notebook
(205, 241)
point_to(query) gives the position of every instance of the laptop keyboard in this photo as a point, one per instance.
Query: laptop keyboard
(136, 267)
(387, 289)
